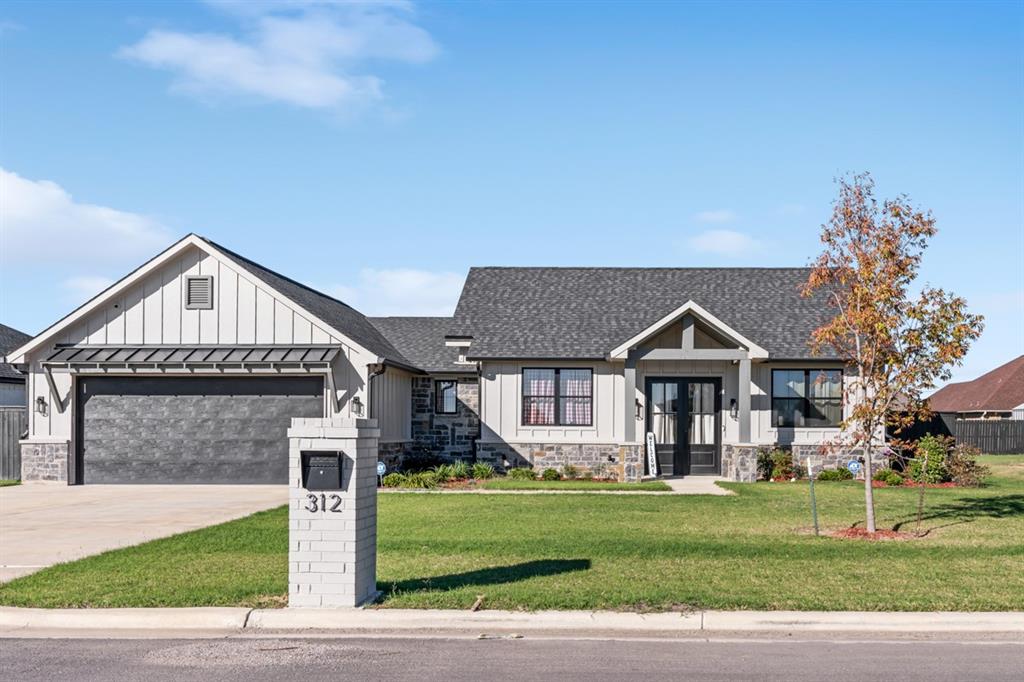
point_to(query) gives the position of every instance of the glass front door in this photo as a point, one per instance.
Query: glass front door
(684, 415)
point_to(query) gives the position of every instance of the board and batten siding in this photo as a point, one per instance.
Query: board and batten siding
(391, 394)
(501, 405)
(245, 311)
(501, 402)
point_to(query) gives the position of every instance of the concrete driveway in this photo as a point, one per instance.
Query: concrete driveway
(42, 524)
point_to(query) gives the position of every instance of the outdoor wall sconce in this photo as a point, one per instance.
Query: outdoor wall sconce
(41, 405)
(639, 409)
(357, 405)
(734, 409)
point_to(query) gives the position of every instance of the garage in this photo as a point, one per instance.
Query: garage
(190, 429)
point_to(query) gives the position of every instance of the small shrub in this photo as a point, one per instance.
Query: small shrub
(444, 473)
(522, 474)
(880, 474)
(459, 470)
(893, 478)
(421, 479)
(599, 471)
(551, 475)
(570, 472)
(764, 464)
(482, 470)
(931, 456)
(393, 480)
(840, 474)
(963, 468)
(782, 466)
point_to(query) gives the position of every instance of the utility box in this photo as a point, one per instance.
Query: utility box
(321, 470)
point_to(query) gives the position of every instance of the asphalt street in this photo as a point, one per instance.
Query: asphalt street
(428, 658)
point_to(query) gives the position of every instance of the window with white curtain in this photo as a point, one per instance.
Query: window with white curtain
(558, 397)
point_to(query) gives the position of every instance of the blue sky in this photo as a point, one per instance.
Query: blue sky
(376, 152)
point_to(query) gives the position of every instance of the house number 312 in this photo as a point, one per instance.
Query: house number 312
(315, 503)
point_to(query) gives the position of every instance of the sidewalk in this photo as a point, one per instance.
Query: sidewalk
(412, 621)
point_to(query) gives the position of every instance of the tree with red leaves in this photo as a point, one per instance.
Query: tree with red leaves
(898, 343)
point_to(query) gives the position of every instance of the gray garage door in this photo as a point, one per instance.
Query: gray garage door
(190, 430)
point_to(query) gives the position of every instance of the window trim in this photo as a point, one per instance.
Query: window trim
(556, 396)
(438, 408)
(806, 398)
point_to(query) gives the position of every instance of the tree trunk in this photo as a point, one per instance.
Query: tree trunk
(869, 491)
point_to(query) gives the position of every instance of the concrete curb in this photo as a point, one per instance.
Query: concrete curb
(478, 622)
(125, 619)
(474, 621)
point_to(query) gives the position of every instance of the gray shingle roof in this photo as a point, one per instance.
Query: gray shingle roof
(586, 312)
(339, 315)
(421, 340)
(10, 339)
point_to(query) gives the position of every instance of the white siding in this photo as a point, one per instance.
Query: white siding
(501, 402)
(392, 405)
(152, 311)
(501, 405)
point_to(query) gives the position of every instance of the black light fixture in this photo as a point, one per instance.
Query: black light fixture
(734, 409)
(41, 405)
(357, 405)
(639, 409)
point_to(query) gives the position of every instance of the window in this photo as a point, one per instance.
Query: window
(446, 396)
(558, 397)
(807, 397)
(199, 293)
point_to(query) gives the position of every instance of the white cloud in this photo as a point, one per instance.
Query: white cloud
(301, 53)
(722, 215)
(42, 224)
(402, 292)
(83, 288)
(723, 243)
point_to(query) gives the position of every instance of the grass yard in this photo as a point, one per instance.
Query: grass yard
(7, 482)
(508, 483)
(748, 551)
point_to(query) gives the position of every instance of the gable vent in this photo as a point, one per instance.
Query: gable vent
(199, 293)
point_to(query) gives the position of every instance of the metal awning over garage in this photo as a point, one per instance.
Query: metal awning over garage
(193, 359)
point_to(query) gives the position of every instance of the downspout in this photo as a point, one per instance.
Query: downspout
(479, 407)
(369, 388)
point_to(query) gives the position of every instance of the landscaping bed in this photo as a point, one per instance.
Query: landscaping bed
(752, 550)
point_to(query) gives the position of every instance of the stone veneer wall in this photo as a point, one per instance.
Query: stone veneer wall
(834, 459)
(392, 453)
(452, 435)
(42, 461)
(622, 462)
(739, 462)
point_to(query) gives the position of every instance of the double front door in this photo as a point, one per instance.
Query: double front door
(685, 416)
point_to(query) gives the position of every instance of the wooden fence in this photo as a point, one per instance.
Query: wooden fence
(994, 436)
(13, 422)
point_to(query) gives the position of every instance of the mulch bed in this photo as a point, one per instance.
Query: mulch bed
(863, 534)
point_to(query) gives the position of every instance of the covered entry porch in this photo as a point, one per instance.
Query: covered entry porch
(688, 389)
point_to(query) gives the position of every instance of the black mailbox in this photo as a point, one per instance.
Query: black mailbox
(321, 470)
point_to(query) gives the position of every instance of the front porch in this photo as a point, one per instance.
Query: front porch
(689, 390)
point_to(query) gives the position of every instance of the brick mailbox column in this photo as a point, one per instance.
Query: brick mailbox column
(332, 533)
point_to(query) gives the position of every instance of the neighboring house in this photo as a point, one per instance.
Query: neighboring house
(190, 368)
(12, 382)
(998, 394)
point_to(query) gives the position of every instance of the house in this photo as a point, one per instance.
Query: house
(12, 382)
(190, 368)
(998, 394)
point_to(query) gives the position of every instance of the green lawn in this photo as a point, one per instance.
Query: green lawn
(7, 482)
(748, 551)
(513, 484)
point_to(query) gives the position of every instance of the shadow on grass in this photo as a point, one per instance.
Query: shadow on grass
(965, 511)
(496, 575)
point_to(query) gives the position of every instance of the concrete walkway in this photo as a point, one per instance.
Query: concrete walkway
(690, 485)
(42, 524)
